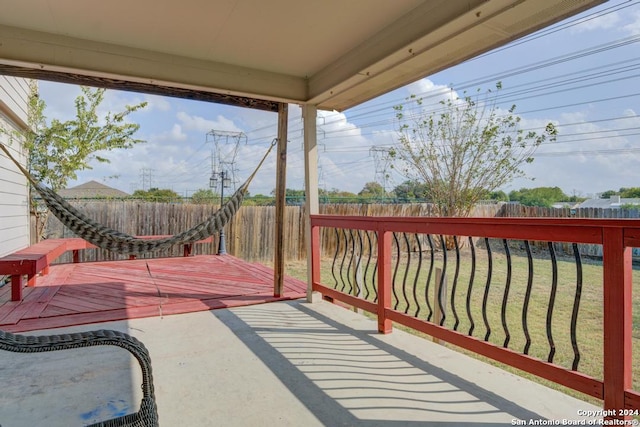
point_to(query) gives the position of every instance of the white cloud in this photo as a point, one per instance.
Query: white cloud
(158, 103)
(175, 134)
(586, 158)
(633, 28)
(602, 22)
(425, 87)
(344, 153)
(200, 124)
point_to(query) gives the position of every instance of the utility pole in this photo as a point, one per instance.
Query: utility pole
(381, 161)
(223, 156)
(225, 181)
(146, 176)
(224, 149)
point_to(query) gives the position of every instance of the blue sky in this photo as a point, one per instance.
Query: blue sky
(581, 74)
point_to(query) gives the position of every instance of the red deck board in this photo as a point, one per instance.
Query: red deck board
(74, 294)
(22, 310)
(41, 303)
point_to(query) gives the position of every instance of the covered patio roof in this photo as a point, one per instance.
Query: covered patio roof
(332, 54)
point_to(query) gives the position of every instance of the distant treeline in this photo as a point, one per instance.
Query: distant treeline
(372, 192)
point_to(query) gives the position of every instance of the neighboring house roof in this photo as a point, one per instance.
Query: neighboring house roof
(614, 202)
(91, 190)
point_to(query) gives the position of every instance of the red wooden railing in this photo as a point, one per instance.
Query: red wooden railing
(617, 237)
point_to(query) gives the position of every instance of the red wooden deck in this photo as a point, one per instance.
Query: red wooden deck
(75, 294)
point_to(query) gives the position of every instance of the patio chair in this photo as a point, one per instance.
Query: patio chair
(147, 415)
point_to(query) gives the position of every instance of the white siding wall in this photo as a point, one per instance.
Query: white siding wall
(14, 191)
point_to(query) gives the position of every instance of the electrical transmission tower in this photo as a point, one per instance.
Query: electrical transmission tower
(146, 178)
(224, 150)
(381, 163)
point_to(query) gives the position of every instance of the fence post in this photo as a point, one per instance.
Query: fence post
(617, 319)
(384, 279)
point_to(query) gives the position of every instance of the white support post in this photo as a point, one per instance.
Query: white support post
(309, 113)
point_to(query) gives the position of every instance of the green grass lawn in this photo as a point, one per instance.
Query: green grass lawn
(589, 332)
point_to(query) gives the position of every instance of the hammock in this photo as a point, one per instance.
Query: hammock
(115, 241)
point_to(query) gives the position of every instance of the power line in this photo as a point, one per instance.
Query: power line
(588, 152)
(558, 27)
(507, 73)
(560, 83)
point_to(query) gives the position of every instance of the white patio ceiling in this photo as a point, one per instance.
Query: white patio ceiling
(331, 53)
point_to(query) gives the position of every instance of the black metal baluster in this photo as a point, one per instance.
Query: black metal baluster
(350, 276)
(576, 307)
(375, 269)
(442, 280)
(406, 273)
(455, 284)
(485, 298)
(395, 271)
(344, 257)
(505, 297)
(356, 272)
(417, 276)
(426, 288)
(471, 277)
(335, 258)
(527, 297)
(367, 291)
(552, 300)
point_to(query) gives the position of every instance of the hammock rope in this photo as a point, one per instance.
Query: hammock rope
(116, 241)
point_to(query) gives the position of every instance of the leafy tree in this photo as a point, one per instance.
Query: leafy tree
(157, 195)
(630, 193)
(338, 196)
(372, 190)
(607, 194)
(499, 196)
(260, 200)
(58, 150)
(463, 149)
(205, 197)
(539, 196)
(292, 196)
(410, 191)
(576, 197)
(627, 193)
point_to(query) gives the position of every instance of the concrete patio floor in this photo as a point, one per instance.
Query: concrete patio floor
(277, 364)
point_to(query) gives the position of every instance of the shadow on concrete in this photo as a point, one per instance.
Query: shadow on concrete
(348, 377)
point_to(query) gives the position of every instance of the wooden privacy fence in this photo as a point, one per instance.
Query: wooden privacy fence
(509, 210)
(512, 210)
(137, 219)
(250, 235)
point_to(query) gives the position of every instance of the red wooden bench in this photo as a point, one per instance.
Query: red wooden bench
(36, 259)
